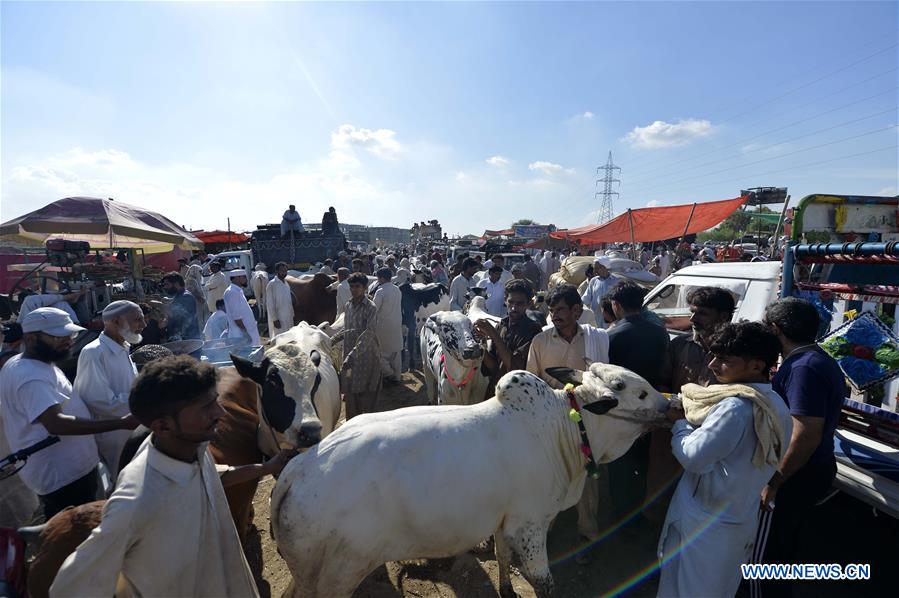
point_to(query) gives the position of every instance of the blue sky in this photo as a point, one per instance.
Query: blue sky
(472, 113)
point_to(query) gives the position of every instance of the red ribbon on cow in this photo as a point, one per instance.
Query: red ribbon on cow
(465, 380)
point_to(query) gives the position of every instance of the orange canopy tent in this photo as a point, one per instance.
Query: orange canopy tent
(654, 224)
(220, 236)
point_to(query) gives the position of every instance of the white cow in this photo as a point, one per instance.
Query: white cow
(452, 358)
(327, 394)
(505, 467)
(257, 283)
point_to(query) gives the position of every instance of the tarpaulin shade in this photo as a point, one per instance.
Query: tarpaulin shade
(498, 233)
(548, 243)
(221, 236)
(102, 223)
(654, 224)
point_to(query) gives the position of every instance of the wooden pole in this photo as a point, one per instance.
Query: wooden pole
(690, 219)
(229, 234)
(630, 219)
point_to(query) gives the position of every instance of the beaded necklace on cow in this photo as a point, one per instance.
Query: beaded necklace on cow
(464, 381)
(575, 416)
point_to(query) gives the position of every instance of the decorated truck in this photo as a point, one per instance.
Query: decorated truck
(298, 250)
(843, 257)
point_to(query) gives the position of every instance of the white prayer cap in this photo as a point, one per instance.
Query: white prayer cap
(603, 261)
(119, 308)
(238, 272)
(49, 320)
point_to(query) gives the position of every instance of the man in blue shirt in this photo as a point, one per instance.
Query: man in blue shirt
(182, 320)
(813, 386)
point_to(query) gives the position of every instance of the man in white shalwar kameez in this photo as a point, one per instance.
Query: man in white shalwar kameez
(729, 438)
(279, 302)
(343, 290)
(105, 374)
(166, 529)
(217, 324)
(215, 286)
(241, 322)
(389, 330)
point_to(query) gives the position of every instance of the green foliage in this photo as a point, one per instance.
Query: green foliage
(524, 222)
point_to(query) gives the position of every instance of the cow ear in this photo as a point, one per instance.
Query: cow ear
(601, 406)
(316, 358)
(248, 369)
(566, 375)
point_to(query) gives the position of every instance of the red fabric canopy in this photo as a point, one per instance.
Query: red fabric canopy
(654, 224)
(221, 236)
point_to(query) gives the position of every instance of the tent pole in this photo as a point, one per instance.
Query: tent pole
(690, 219)
(229, 234)
(630, 218)
(780, 220)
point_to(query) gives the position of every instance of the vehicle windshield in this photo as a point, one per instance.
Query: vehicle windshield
(231, 262)
(670, 302)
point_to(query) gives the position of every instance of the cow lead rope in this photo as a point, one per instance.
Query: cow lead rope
(575, 416)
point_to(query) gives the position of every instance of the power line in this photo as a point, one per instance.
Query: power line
(891, 110)
(782, 127)
(642, 165)
(799, 166)
(799, 151)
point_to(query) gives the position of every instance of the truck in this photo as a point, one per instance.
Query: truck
(856, 271)
(298, 250)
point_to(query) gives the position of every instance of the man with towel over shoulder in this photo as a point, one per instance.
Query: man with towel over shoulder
(729, 438)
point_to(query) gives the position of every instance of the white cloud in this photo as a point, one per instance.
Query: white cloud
(549, 167)
(379, 142)
(497, 161)
(661, 134)
(461, 176)
(587, 115)
(653, 203)
(887, 191)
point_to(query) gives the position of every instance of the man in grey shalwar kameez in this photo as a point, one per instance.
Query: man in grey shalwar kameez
(361, 370)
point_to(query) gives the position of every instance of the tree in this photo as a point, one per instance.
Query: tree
(524, 222)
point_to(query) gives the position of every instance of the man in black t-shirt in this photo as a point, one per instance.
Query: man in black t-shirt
(638, 344)
(511, 341)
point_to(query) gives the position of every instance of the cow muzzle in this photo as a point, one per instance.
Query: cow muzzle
(472, 352)
(310, 434)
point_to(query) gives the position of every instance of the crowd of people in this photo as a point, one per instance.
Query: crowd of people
(740, 440)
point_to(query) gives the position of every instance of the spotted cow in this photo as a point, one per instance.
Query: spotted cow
(452, 360)
(506, 466)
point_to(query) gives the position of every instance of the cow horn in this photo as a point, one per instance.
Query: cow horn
(601, 406)
(566, 375)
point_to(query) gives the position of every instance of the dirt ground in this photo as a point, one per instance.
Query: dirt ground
(470, 575)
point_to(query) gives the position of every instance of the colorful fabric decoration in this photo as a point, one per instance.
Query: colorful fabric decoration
(575, 416)
(867, 351)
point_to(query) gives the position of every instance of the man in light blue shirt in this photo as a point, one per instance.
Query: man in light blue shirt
(599, 286)
(729, 438)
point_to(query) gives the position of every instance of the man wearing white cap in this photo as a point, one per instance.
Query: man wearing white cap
(389, 327)
(279, 302)
(241, 323)
(599, 287)
(38, 401)
(105, 374)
